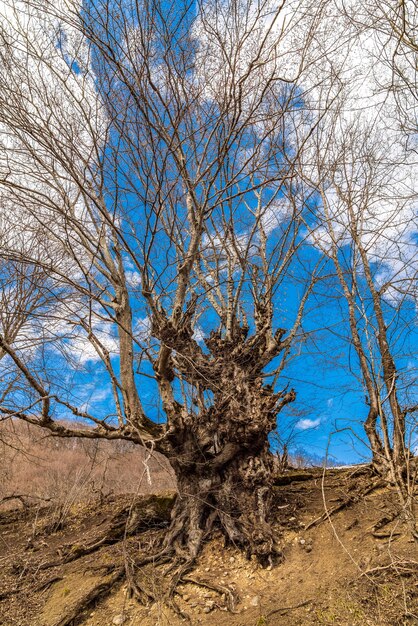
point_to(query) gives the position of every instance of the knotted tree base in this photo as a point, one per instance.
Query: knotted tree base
(235, 499)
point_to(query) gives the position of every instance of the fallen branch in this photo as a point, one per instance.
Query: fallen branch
(386, 535)
(287, 479)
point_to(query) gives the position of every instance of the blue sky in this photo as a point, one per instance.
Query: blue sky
(330, 404)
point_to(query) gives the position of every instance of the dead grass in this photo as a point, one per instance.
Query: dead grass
(41, 468)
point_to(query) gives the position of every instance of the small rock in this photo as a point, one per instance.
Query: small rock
(292, 519)
(255, 601)
(302, 542)
(209, 606)
(118, 620)
(232, 559)
(308, 548)
(186, 597)
(207, 569)
(365, 562)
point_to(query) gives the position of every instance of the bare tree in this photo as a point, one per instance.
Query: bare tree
(173, 219)
(363, 165)
(395, 28)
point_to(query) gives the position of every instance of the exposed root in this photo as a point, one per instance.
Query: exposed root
(350, 500)
(135, 589)
(100, 590)
(47, 583)
(230, 596)
(286, 609)
(166, 555)
(178, 577)
(149, 512)
(10, 592)
(384, 521)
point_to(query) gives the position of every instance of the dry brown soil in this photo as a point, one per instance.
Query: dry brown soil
(353, 568)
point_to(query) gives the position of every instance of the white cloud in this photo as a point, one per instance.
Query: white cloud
(133, 278)
(199, 334)
(82, 349)
(142, 328)
(360, 153)
(48, 97)
(306, 424)
(274, 214)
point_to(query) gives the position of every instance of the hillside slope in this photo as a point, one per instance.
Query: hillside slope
(354, 567)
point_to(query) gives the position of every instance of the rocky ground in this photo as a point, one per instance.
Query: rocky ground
(347, 560)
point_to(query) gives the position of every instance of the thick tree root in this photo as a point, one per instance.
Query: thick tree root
(135, 589)
(148, 512)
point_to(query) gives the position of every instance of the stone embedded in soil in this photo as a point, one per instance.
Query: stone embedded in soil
(209, 606)
(255, 601)
(118, 620)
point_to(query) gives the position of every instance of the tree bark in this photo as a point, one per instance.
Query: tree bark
(220, 453)
(231, 490)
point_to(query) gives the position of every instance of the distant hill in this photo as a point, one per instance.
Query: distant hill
(38, 466)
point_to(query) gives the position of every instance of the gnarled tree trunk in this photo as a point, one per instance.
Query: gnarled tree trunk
(220, 453)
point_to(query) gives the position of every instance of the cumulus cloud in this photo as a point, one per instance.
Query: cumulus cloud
(142, 328)
(48, 98)
(274, 214)
(306, 424)
(133, 278)
(361, 156)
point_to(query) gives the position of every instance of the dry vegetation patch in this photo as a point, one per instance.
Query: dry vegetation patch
(352, 567)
